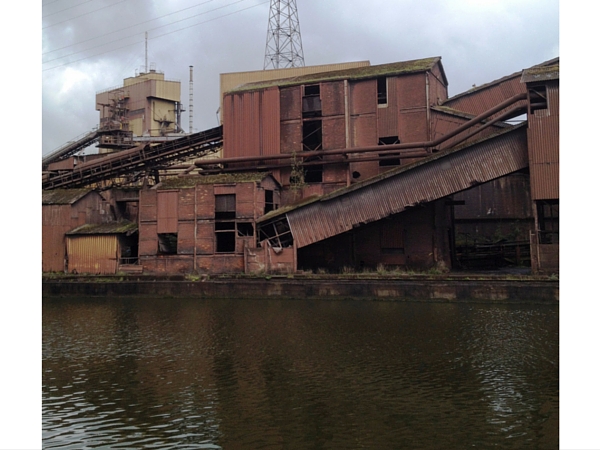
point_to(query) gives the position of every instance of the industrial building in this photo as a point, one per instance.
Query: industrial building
(355, 167)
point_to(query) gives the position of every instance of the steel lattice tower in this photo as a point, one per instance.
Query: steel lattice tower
(284, 43)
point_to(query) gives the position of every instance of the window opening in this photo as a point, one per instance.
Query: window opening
(382, 91)
(269, 201)
(245, 229)
(538, 98)
(225, 207)
(389, 159)
(167, 243)
(225, 230)
(311, 101)
(548, 220)
(277, 233)
(313, 173)
(312, 135)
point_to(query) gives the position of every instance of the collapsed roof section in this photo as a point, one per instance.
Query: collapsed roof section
(391, 192)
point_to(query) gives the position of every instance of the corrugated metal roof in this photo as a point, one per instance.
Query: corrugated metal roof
(360, 73)
(498, 81)
(392, 192)
(123, 226)
(63, 196)
(536, 74)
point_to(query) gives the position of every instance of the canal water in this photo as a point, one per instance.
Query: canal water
(298, 374)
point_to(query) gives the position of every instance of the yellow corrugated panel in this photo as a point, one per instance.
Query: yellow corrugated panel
(92, 254)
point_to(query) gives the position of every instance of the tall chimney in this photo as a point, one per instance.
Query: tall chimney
(191, 130)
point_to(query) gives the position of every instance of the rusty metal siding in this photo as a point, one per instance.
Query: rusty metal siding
(251, 123)
(167, 211)
(269, 116)
(93, 254)
(56, 221)
(424, 183)
(485, 98)
(413, 125)
(411, 91)
(543, 139)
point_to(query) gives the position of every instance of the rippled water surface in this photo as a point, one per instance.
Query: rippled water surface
(247, 374)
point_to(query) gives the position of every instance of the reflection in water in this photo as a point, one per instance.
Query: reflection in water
(164, 373)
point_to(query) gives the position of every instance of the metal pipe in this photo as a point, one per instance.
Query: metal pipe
(375, 148)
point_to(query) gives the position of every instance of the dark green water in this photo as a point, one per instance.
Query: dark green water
(277, 374)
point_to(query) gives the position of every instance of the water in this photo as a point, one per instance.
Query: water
(272, 374)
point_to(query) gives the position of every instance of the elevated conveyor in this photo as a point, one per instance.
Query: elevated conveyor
(71, 147)
(141, 158)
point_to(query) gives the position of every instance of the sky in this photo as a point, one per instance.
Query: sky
(92, 45)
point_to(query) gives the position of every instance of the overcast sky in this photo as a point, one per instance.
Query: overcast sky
(92, 45)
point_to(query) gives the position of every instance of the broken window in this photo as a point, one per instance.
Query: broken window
(312, 135)
(538, 98)
(225, 207)
(547, 212)
(269, 201)
(277, 233)
(382, 97)
(313, 173)
(311, 101)
(167, 243)
(225, 223)
(389, 159)
(245, 229)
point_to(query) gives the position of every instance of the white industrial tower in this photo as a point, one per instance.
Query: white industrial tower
(284, 43)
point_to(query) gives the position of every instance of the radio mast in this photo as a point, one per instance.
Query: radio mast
(284, 43)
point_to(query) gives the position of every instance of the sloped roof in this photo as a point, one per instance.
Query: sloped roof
(383, 176)
(500, 80)
(359, 73)
(63, 196)
(121, 227)
(224, 178)
(536, 74)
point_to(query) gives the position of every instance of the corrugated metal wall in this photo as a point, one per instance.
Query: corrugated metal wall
(543, 137)
(486, 98)
(251, 123)
(93, 254)
(426, 182)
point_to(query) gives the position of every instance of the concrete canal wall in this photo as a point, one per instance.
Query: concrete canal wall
(446, 289)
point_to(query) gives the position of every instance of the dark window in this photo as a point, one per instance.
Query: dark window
(167, 243)
(225, 207)
(313, 173)
(382, 97)
(245, 229)
(312, 135)
(225, 241)
(225, 223)
(538, 98)
(311, 101)
(547, 211)
(269, 202)
(389, 159)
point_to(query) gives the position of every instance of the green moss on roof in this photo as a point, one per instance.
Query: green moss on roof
(359, 73)
(63, 196)
(121, 227)
(541, 70)
(224, 178)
